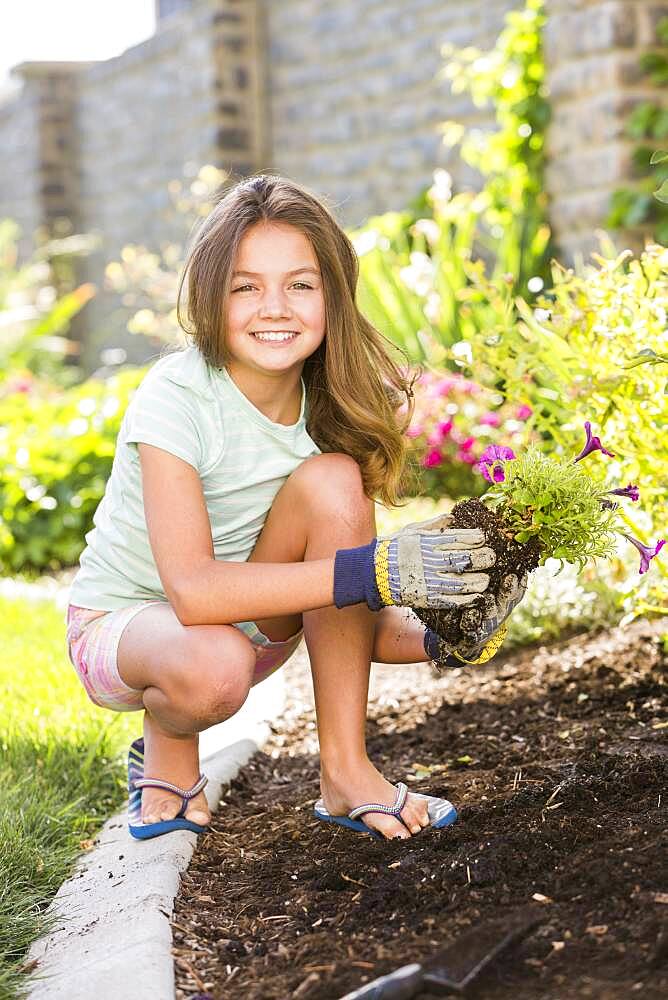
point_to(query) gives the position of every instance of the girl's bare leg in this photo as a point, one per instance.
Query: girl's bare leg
(320, 509)
(192, 677)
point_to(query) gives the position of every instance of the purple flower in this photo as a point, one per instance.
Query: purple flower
(592, 444)
(491, 462)
(630, 491)
(646, 551)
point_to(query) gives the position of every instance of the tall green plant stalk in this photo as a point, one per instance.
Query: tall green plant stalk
(421, 269)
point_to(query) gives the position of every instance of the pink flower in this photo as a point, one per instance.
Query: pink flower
(467, 457)
(491, 419)
(523, 412)
(445, 426)
(468, 443)
(432, 458)
(414, 431)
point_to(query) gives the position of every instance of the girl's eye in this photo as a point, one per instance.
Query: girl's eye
(296, 284)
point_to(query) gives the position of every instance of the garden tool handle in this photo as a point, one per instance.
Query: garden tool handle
(402, 984)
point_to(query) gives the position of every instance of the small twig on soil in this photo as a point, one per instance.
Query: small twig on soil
(183, 964)
(307, 983)
(346, 878)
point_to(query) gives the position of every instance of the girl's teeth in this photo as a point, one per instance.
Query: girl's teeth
(274, 336)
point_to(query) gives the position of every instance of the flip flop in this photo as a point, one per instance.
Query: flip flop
(441, 812)
(137, 781)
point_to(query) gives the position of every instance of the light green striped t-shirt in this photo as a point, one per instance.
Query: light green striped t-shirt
(196, 412)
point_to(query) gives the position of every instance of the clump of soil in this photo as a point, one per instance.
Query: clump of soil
(557, 762)
(456, 625)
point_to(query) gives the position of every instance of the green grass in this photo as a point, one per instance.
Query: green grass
(62, 773)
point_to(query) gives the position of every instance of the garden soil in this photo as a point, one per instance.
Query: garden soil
(556, 759)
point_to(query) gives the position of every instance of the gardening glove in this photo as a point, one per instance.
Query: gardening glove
(484, 625)
(424, 565)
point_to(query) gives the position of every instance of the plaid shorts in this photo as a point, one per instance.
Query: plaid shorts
(92, 645)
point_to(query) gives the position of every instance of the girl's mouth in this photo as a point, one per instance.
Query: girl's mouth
(274, 336)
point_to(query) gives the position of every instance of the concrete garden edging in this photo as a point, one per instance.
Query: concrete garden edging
(112, 939)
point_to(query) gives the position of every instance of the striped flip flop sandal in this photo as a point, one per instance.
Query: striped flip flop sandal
(137, 781)
(441, 812)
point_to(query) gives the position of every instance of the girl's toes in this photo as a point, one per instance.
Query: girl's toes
(389, 827)
(197, 816)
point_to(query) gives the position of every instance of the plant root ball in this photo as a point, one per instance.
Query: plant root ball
(511, 557)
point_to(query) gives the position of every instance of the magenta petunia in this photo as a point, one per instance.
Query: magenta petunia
(491, 462)
(630, 491)
(432, 458)
(591, 444)
(647, 553)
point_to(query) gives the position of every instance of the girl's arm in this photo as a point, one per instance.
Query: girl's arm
(201, 589)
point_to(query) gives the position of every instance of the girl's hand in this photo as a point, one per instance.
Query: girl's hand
(424, 565)
(482, 623)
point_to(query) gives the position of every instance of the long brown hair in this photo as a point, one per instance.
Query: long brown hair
(355, 390)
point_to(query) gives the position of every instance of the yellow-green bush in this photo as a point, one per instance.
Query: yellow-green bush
(596, 348)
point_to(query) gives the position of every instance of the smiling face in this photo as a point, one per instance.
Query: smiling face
(275, 315)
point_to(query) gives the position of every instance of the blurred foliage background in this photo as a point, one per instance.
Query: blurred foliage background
(511, 346)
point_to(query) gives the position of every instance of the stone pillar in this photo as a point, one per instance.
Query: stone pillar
(53, 90)
(238, 41)
(593, 50)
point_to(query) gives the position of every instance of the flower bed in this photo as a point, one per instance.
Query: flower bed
(554, 760)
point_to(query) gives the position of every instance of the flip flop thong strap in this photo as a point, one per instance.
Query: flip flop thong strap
(189, 793)
(378, 807)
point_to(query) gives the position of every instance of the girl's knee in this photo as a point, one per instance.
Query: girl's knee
(333, 482)
(218, 677)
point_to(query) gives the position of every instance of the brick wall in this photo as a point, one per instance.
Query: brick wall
(593, 50)
(354, 100)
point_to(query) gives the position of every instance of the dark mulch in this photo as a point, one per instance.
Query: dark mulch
(556, 759)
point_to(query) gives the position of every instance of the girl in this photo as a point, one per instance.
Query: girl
(238, 514)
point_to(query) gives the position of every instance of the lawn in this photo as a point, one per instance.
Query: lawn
(61, 774)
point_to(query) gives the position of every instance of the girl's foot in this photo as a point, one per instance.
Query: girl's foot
(174, 759)
(345, 788)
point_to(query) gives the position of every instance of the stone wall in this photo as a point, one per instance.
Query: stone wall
(21, 167)
(593, 50)
(344, 97)
(354, 98)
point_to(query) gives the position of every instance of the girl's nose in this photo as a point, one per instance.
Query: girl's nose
(273, 305)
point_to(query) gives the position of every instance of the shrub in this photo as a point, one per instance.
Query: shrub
(594, 348)
(56, 452)
(454, 420)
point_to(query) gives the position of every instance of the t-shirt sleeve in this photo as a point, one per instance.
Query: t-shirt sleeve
(164, 414)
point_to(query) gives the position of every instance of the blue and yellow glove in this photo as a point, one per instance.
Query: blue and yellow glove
(483, 626)
(426, 565)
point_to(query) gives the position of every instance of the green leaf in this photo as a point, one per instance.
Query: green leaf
(659, 156)
(662, 194)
